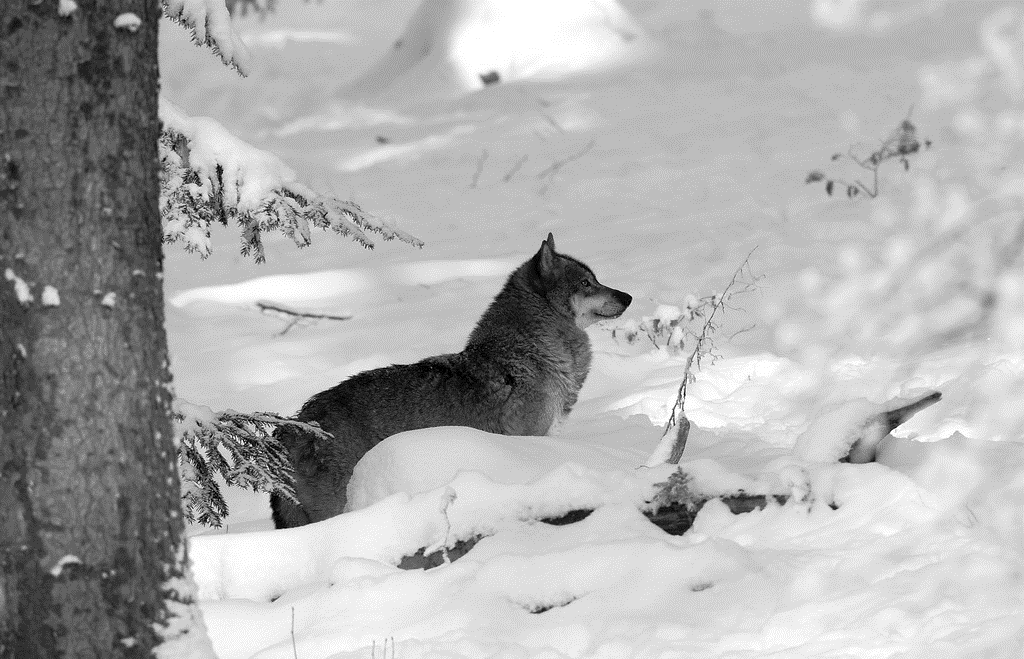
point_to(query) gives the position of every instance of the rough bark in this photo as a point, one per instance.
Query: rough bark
(90, 523)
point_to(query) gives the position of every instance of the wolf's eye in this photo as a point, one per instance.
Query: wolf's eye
(586, 283)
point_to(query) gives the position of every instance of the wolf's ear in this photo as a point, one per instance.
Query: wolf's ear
(546, 256)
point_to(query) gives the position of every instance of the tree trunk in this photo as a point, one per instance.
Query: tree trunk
(92, 560)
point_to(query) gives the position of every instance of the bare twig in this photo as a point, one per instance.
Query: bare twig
(479, 168)
(276, 308)
(273, 308)
(703, 345)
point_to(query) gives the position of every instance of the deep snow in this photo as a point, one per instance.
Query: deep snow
(697, 156)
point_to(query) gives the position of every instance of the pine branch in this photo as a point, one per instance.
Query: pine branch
(208, 175)
(209, 24)
(239, 447)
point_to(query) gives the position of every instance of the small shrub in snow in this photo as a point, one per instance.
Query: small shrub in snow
(667, 327)
(942, 267)
(677, 491)
(899, 146)
(239, 448)
(670, 328)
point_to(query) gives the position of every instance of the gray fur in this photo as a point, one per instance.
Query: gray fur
(519, 374)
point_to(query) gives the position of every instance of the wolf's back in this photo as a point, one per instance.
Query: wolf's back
(450, 390)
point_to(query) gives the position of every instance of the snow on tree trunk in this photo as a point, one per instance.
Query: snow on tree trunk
(92, 560)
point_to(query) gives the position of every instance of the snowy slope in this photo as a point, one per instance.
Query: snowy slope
(667, 172)
(460, 45)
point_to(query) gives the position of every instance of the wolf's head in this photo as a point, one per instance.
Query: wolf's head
(572, 288)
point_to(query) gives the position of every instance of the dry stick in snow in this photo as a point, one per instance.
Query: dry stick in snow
(547, 117)
(295, 650)
(515, 168)
(670, 448)
(553, 169)
(269, 307)
(479, 168)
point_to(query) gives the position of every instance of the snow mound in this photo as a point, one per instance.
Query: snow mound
(285, 288)
(456, 457)
(458, 44)
(423, 460)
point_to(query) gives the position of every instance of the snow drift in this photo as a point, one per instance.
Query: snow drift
(464, 45)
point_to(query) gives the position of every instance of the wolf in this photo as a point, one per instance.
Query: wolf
(519, 374)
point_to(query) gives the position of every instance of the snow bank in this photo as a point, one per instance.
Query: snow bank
(455, 44)
(283, 289)
(887, 572)
(263, 565)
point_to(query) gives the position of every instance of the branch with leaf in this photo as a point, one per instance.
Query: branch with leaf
(899, 146)
(670, 448)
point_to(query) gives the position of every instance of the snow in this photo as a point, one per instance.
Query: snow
(66, 7)
(127, 21)
(280, 39)
(67, 559)
(456, 44)
(50, 297)
(700, 152)
(21, 288)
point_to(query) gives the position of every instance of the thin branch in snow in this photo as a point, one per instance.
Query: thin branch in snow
(294, 315)
(295, 651)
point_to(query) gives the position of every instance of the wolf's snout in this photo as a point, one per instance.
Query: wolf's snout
(614, 307)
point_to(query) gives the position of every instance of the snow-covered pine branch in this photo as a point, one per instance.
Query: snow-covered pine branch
(209, 24)
(259, 7)
(239, 447)
(209, 175)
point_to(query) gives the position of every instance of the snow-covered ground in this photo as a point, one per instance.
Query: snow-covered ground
(669, 170)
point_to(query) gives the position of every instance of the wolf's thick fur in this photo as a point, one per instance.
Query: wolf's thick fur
(519, 374)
